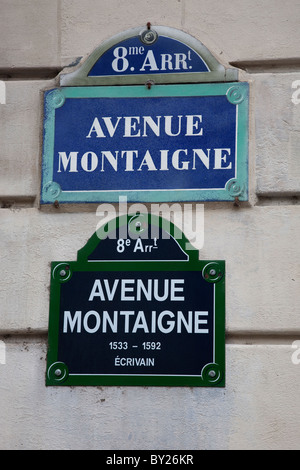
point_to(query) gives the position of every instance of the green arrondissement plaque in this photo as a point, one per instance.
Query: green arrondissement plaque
(137, 308)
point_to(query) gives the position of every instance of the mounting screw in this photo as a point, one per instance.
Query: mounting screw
(236, 202)
(149, 84)
(58, 372)
(148, 36)
(212, 373)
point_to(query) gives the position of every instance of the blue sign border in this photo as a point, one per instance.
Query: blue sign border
(236, 93)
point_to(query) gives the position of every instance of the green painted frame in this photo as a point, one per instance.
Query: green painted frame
(236, 92)
(212, 375)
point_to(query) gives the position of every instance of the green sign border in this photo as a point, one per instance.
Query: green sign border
(213, 374)
(237, 94)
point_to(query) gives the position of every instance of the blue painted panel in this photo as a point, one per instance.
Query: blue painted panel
(170, 143)
(150, 147)
(132, 57)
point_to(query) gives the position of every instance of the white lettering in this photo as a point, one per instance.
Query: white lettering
(140, 322)
(111, 293)
(125, 289)
(199, 321)
(107, 319)
(166, 290)
(120, 64)
(191, 123)
(219, 158)
(109, 126)
(130, 126)
(170, 323)
(180, 60)
(138, 246)
(72, 321)
(136, 289)
(111, 159)
(175, 160)
(166, 60)
(127, 314)
(89, 161)
(175, 288)
(129, 154)
(96, 128)
(147, 160)
(180, 159)
(129, 321)
(97, 322)
(134, 361)
(204, 158)
(97, 291)
(164, 160)
(168, 125)
(154, 126)
(182, 320)
(149, 62)
(72, 159)
(140, 287)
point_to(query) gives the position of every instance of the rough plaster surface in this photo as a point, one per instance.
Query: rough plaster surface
(277, 126)
(39, 33)
(262, 263)
(257, 409)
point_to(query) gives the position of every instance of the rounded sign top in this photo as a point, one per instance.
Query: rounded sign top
(167, 54)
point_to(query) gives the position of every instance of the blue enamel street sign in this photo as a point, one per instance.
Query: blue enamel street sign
(134, 56)
(166, 143)
(121, 317)
(163, 54)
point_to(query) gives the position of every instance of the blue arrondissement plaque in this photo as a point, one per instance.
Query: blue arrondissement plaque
(167, 143)
(139, 55)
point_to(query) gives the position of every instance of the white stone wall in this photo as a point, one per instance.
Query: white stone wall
(258, 408)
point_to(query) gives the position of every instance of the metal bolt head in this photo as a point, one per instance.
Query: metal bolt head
(212, 272)
(62, 272)
(212, 373)
(58, 372)
(148, 36)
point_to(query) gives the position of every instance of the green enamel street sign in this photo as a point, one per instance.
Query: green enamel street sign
(137, 308)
